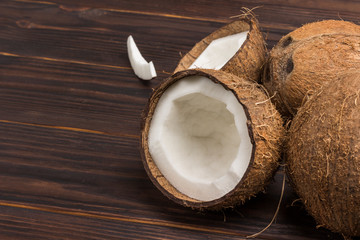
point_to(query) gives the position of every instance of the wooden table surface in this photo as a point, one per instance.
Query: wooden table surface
(70, 166)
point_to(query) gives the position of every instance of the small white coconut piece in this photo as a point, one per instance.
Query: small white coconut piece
(143, 69)
(220, 51)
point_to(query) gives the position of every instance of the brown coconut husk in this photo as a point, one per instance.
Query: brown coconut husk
(249, 59)
(323, 155)
(265, 130)
(307, 58)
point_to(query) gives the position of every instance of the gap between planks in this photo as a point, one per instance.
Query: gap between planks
(70, 129)
(62, 60)
(114, 217)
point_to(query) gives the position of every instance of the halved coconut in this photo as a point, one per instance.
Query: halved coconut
(210, 143)
(308, 57)
(238, 48)
(323, 155)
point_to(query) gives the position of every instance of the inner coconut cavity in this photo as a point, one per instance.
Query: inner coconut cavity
(220, 51)
(199, 138)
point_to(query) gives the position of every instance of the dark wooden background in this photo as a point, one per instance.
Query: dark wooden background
(70, 109)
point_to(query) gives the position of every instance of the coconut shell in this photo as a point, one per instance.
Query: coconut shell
(248, 60)
(323, 155)
(320, 28)
(307, 58)
(265, 129)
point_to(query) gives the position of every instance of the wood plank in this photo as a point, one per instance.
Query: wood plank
(20, 223)
(99, 176)
(98, 39)
(210, 10)
(289, 15)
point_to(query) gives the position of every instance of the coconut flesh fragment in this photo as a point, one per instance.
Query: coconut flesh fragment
(220, 51)
(143, 69)
(199, 138)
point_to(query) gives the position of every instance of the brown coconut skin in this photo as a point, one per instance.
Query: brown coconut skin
(307, 58)
(323, 155)
(265, 130)
(249, 60)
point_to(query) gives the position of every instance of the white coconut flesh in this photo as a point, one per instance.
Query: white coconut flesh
(143, 69)
(220, 51)
(199, 139)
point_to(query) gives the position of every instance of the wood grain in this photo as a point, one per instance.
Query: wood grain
(100, 176)
(70, 111)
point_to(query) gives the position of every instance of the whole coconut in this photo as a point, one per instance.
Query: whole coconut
(323, 155)
(308, 57)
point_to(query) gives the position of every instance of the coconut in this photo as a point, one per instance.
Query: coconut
(308, 57)
(237, 48)
(210, 140)
(143, 69)
(323, 155)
